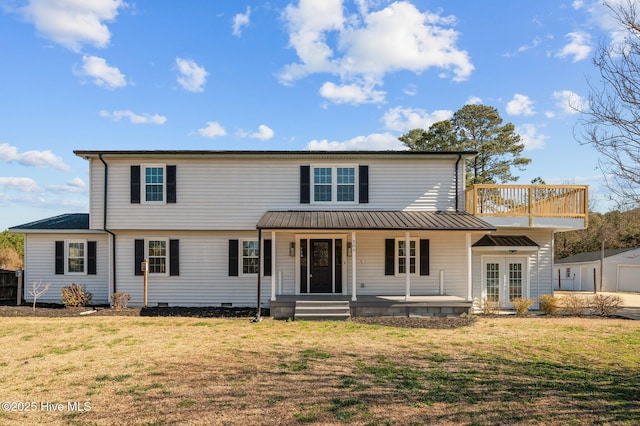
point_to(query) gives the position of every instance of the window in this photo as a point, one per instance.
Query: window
(250, 257)
(157, 255)
(334, 184)
(76, 257)
(346, 184)
(154, 181)
(406, 257)
(568, 273)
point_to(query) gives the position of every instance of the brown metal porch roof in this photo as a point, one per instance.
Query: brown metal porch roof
(505, 241)
(380, 220)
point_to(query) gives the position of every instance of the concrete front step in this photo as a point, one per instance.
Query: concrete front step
(322, 310)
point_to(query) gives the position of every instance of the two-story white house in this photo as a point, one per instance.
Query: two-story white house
(382, 232)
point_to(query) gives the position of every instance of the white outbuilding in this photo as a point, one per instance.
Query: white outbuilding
(621, 271)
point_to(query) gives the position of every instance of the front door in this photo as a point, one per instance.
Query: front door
(504, 279)
(321, 271)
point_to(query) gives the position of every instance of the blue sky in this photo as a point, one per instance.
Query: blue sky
(299, 74)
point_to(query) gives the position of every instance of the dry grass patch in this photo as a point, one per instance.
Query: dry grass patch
(153, 371)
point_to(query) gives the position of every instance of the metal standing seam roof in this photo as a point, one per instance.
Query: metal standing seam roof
(69, 221)
(505, 241)
(592, 255)
(365, 219)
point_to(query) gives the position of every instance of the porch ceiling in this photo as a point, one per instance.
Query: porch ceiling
(380, 220)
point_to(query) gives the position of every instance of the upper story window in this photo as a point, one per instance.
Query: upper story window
(334, 184)
(154, 183)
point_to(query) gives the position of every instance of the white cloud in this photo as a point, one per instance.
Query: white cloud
(577, 4)
(373, 142)
(569, 102)
(264, 133)
(212, 130)
(21, 184)
(579, 47)
(404, 119)
(473, 100)
(241, 20)
(530, 137)
(369, 44)
(191, 76)
(102, 73)
(75, 185)
(520, 105)
(72, 23)
(39, 159)
(133, 117)
(351, 93)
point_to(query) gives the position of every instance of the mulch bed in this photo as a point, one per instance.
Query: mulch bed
(47, 310)
(55, 311)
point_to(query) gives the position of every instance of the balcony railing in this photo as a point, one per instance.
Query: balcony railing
(549, 201)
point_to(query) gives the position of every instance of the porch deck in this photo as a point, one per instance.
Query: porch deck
(379, 305)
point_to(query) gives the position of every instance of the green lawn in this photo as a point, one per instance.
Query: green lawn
(163, 371)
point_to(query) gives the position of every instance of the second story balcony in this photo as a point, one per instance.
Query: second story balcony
(544, 206)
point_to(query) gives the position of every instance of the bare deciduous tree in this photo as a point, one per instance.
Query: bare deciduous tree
(611, 119)
(38, 289)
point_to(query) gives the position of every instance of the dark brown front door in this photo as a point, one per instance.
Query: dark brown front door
(321, 266)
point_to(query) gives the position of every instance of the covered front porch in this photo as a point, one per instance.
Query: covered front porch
(368, 263)
(384, 305)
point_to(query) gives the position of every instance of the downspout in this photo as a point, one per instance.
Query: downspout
(104, 222)
(258, 317)
(457, 180)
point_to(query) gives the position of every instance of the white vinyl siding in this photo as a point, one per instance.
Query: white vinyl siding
(538, 263)
(40, 266)
(233, 194)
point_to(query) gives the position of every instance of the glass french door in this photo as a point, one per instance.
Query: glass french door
(504, 279)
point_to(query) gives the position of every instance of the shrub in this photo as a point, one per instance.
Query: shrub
(605, 305)
(488, 306)
(521, 305)
(120, 300)
(575, 305)
(75, 295)
(549, 304)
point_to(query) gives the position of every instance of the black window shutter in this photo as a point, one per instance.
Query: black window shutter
(174, 257)
(135, 184)
(363, 184)
(389, 256)
(305, 187)
(59, 257)
(171, 184)
(139, 257)
(233, 258)
(266, 258)
(91, 258)
(424, 257)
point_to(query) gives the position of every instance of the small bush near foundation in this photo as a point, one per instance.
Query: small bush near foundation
(75, 295)
(120, 300)
(575, 305)
(521, 305)
(549, 304)
(488, 306)
(605, 305)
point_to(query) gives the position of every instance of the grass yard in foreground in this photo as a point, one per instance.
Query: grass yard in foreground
(163, 371)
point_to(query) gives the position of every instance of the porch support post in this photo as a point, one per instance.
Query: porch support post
(469, 267)
(407, 252)
(273, 265)
(353, 267)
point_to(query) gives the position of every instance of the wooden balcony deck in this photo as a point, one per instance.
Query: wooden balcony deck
(530, 201)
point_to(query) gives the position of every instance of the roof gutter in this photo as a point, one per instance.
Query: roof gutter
(104, 221)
